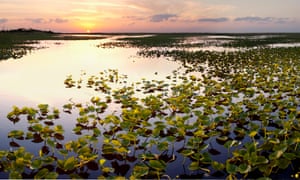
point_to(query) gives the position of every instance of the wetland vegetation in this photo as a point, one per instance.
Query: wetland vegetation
(229, 114)
(17, 43)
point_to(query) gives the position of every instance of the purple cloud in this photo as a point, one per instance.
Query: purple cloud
(42, 20)
(258, 19)
(3, 20)
(135, 18)
(161, 17)
(36, 20)
(221, 19)
(60, 20)
(283, 20)
(254, 19)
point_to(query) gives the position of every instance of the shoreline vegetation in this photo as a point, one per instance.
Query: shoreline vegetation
(243, 106)
(18, 42)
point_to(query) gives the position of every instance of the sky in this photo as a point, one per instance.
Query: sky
(151, 15)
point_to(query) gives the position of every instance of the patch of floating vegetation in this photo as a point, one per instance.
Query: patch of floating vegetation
(251, 112)
(243, 107)
(190, 40)
(262, 40)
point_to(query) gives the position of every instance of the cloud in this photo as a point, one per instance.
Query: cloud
(108, 4)
(254, 19)
(221, 19)
(36, 20)
(161, 17)
(60, 20)
(3, 20)
(44, 21)
(283, 20)
(257, 19)
(135, 18)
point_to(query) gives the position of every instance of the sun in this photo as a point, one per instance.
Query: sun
(87, 26)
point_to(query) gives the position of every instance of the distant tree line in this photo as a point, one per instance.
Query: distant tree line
(26, 30)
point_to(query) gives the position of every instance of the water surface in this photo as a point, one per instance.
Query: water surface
(39, 77)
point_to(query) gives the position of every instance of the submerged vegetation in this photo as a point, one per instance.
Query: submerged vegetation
(225, 114)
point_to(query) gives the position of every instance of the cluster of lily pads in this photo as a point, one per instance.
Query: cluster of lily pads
(179, 40)
(241, 125)
(227, 115)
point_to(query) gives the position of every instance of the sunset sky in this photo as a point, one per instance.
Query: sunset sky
(152, 15)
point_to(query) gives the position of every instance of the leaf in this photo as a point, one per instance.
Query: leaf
(107, 170)
(41, 173)
(51, 175)
(63, 152)
(194, 166)
(70, 163)
(37, 127)
(274, 140)
(244, 168)
(77, 129)
(231, 168)
(147, 156)
(15, 134)
(59, 129)
(222, 138)
(29, 135)
(260, 160)
(96, 132)
(231, 143)
(275, 155)
(252, 134)
(289, 156)
(157, 165)
(283, 163)
(217, 166)
(36, 164)
(102, 161)
(48, 160)
(95, 99)
(162, 146)
(15, 175)
(170, 138)
(51, 143)
(140, 170)
(3, 154)
(116, 143)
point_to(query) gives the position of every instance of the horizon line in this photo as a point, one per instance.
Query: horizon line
(154, 32)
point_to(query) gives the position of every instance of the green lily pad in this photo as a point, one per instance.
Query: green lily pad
(157, 165)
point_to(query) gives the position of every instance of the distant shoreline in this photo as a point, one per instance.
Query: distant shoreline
(30, 30)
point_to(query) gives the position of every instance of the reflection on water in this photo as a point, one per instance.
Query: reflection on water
(284, 45)
(39, 77)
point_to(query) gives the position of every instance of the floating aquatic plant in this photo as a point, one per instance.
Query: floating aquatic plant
(242, 106)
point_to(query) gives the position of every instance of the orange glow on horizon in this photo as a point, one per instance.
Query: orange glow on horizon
(83, 26)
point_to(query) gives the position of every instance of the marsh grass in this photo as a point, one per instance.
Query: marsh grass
(17, 43)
